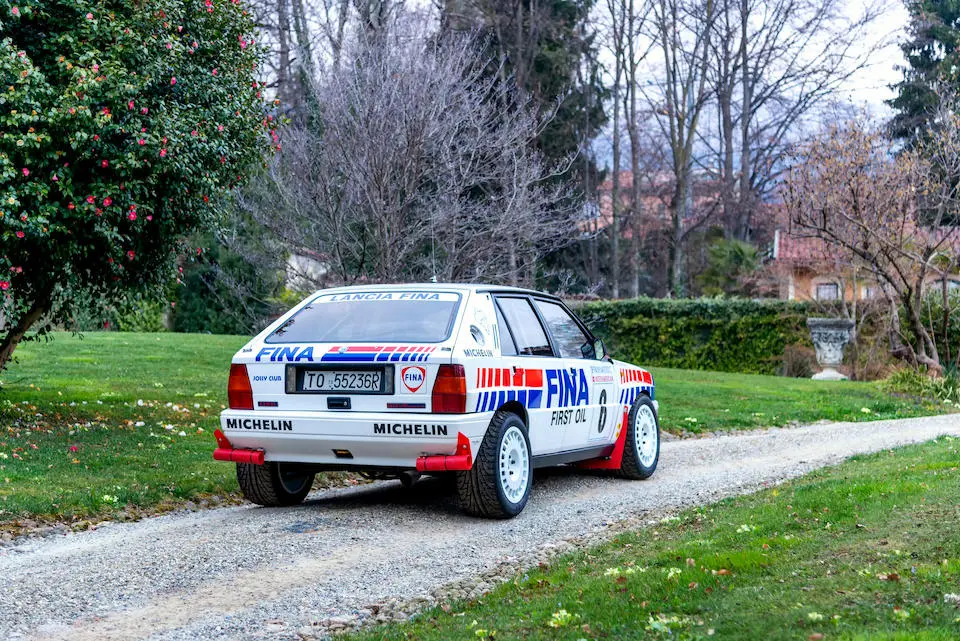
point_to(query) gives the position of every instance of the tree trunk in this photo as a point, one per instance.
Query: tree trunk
(744, 210)
(40, 306)
(677, 212)
(926, 349)
(615, 189)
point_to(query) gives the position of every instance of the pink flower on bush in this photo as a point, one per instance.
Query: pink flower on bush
(173, 81)
(96, 67)
(163, 153)
(131, 255)
(144, 110)
(214, 71)
(4, 285)
(169, 45)
(130, 105)
(149, 218)
(104, 163)
(89, 16)
(71, 206)
(74, 448)
(107, 201)
(26, 172)
(55, 178)
(194, 133)
(90, 199)
(20, 234)
(132, 215)
(15, 11)
(141, 142)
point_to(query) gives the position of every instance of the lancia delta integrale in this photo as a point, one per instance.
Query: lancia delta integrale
(482, 382)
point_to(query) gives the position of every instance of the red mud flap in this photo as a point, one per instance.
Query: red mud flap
(613, 461)
(459, 462)
(226, 452)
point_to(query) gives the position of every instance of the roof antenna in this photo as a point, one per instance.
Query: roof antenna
(433, 249)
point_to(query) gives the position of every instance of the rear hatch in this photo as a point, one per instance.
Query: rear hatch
(362, 351)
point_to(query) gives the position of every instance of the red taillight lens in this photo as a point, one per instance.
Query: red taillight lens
(239, 392)
(450, 390)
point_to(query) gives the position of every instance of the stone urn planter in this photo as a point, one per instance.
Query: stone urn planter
(830, 336)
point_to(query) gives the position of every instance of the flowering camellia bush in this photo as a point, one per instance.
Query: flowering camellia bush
(122, 122)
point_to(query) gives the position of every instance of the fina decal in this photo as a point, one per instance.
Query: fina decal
(291, 354)
(413, 378)
(567, 388)
(446, 297)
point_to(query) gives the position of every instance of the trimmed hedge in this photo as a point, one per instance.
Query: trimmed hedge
(728, 335)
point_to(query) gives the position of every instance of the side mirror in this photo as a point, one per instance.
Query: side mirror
(599, 350)
(588, 351)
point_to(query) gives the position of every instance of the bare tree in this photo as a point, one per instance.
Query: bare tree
(773, 64)
(682, 30)
(418, 165)
(885, 213)
(618, 42)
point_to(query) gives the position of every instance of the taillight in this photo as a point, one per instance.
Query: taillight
(239, 392)
(450, 390)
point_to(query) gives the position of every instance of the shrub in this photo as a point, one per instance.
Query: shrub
(945, 389)
(123, 125)
(799, 361)
(730, 335)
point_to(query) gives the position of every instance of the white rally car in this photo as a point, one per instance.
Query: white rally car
(483, 382)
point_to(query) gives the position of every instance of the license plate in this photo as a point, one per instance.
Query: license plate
(342, 381)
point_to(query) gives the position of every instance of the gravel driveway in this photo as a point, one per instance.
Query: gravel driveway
(257, 573)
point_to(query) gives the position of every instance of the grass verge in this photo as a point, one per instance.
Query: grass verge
(117, 424)
(869, 549)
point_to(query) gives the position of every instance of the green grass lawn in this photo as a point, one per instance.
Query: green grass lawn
(719, 401)
(869, 549)
(117, 423)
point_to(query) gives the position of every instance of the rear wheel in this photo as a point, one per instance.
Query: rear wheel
(641, 452)
(273, 484)
(498, 484)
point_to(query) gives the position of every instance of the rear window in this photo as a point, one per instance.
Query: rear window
(367, 317)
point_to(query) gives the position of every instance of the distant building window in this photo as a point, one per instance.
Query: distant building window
(870, 291)
(828, 291)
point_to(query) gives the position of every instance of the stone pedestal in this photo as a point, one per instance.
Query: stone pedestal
(830, 336)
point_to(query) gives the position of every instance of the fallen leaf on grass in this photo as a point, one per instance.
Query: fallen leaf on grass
(816, 636)
(893, 576)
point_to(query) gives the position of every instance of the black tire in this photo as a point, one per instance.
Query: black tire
(480, 489)
(633, 466)
(271, 485)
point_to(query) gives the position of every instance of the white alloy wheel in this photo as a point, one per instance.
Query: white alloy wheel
(646, 435)
(514, 464)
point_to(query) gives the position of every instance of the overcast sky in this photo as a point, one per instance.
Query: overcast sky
(870, 87)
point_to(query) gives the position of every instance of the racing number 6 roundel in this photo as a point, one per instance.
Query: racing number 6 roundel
(603, 411)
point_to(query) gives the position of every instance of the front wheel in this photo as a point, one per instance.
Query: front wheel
(273, 484)
(498, 484)
(642, 448)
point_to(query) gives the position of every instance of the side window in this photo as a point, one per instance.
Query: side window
(507, 346)
(528, 334)
(570, 338)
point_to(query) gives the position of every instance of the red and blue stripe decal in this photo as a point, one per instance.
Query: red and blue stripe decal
(509, 377)
(378, 354)
(490, 401)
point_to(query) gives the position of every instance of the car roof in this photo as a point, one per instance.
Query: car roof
(473, 287)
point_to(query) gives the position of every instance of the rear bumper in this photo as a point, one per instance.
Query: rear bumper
(372, 439)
